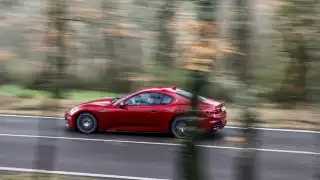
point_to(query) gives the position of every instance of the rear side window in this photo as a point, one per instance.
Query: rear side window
(156, 98)
(166, 99)
(184, 94)
(188, 95)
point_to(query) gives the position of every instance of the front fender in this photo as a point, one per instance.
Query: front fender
(72, 114)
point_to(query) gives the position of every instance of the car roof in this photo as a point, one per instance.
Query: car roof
(161, 88)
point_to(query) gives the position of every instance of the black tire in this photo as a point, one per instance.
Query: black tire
(86, 123)
(178, 127)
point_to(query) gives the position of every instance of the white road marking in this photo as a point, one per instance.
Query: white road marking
(24, 170)
(228, 127)
(88, 139)
(157, 143)
(277, 129)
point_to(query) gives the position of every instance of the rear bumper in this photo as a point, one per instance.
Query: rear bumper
(214, 125)
(218, 125)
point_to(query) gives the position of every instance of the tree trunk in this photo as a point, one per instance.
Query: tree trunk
(166, 40)
(199, 65)
(114, 77)
(61, 58)
(245, 162)
(52, 75)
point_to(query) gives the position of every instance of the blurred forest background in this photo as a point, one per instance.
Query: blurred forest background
(84, 49)
(119, 46)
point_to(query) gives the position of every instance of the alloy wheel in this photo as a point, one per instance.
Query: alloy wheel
(87, 123)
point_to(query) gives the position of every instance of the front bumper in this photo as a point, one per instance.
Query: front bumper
(68, 120)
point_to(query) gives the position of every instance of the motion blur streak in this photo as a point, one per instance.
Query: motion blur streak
(260, 57)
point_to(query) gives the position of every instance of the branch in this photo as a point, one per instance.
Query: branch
(230, 51)
(80, 19)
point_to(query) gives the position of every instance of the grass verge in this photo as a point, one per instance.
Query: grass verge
(17, 91)
(8, 175)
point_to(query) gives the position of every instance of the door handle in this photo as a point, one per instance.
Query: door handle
(153, 111)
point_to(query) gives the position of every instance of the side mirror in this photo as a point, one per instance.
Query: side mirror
(122, 105)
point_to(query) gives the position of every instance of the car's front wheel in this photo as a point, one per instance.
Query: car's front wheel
(87, 123)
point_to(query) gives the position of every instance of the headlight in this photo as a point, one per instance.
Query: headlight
(73, 110)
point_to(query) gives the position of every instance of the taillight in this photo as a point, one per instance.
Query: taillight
(223, 108)
(217, 112)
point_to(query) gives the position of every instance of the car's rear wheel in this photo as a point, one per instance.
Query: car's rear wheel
(87, 123)
(178, 127)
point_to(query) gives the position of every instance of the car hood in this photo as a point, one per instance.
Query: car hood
(99, 102)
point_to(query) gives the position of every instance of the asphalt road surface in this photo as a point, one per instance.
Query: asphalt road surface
(282, 155)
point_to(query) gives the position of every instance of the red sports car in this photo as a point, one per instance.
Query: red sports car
(157, 109)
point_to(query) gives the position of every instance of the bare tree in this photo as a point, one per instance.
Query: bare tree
(166, 41)
(56, 11)
(243, 30)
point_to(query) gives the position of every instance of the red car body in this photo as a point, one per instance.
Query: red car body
(156, 117)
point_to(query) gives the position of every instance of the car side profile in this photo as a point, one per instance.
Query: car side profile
(156, 109)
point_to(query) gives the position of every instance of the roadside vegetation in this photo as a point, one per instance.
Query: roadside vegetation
(77, 95)
(8, 175)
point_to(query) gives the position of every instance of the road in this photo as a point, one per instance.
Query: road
(282, 154)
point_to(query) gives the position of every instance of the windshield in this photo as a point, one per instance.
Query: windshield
(114, 100)
(188, 95)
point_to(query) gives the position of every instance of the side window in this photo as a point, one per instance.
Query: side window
(155, 98)
(166, 99)
(145, 99)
